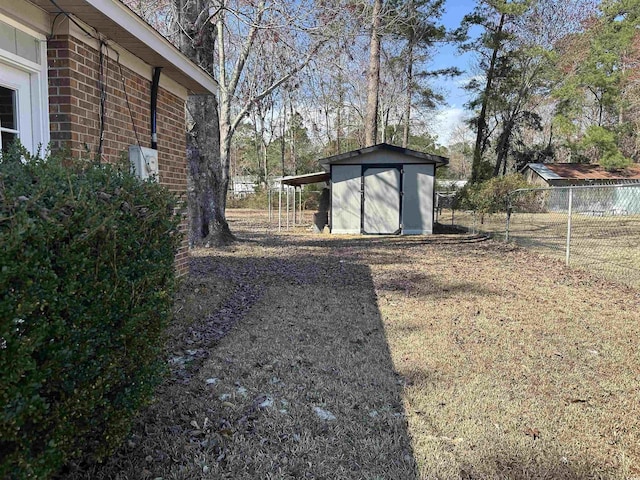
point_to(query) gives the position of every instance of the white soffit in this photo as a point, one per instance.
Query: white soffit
(120, 24)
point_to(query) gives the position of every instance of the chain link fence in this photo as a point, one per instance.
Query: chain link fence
(596, 228)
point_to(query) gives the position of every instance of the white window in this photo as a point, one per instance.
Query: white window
(15, 108)
(24, 108)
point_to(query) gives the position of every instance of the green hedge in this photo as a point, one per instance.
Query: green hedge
(86, 291)
(489, 196)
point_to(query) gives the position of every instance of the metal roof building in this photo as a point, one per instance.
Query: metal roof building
(565, 174)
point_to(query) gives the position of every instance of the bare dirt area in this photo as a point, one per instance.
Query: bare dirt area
(301, 355)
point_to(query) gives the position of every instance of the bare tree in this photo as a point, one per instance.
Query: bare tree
(224, 37)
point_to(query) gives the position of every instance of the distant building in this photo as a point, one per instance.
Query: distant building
(242, 185)
(569, 174)
(450, 185)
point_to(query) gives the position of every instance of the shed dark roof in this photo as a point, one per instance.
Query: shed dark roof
(583, 171)
(428, 157)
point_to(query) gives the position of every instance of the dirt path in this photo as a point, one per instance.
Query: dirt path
(302, 356)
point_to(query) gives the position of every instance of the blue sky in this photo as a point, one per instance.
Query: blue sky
(447, 56)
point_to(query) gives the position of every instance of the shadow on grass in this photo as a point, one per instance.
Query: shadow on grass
(526, 462)
(301, 386)
(424, 285)
(318, 331)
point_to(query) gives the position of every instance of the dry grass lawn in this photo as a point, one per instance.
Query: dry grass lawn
(440, 357)
(605, 245)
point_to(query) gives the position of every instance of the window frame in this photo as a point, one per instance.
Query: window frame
(38, 83)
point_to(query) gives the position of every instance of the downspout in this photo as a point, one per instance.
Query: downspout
(154, 106)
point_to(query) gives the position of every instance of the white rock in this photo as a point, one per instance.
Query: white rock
(211, 381)
(266, 403)
(324, 414)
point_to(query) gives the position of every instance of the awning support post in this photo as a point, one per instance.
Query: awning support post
(287, 207)
(280, 207)
(269, 202)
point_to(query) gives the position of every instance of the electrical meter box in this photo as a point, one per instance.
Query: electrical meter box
(144, 162)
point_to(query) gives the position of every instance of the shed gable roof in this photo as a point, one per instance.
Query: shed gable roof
(122, 25)
(342, 157)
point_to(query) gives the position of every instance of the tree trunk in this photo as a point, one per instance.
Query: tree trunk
(292, 140)
(208, 164)
(206, 188)
(373, 77)
(407, 106)
(385, 124)
(283, 143)
(338, 123)
(482, 118)
(503, 148)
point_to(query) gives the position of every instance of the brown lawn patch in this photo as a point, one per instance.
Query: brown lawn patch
(439, 357)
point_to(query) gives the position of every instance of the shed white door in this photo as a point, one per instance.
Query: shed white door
(381, 200)
(345, 199)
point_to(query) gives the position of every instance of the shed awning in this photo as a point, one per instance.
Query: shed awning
(298, 180)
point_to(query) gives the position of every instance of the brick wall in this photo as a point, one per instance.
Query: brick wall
(74, 111)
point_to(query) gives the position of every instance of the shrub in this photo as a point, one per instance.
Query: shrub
(490, 196)
(87, 277)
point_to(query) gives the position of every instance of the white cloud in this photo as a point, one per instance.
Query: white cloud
(445, 121)
(463, 81)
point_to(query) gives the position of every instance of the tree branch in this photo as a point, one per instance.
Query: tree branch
(246, 50)
(247, 106)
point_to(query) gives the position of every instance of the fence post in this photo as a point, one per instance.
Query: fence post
(569, 226)
(506, 233)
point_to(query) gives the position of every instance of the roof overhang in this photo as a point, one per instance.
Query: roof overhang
(117, 22)
(306, 179)
(583, 172)
(543, 171)
(425, 157)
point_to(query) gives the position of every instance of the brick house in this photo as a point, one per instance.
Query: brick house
(92, 76)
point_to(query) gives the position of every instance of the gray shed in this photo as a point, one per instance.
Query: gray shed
(382, 189)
